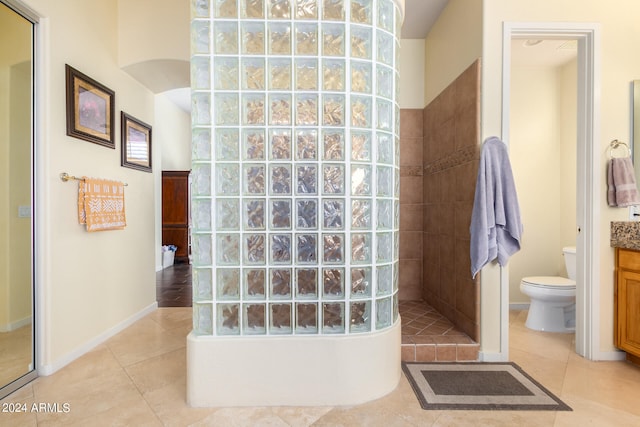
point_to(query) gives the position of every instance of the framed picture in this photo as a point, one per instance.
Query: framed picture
(90, 109)
(136, 143)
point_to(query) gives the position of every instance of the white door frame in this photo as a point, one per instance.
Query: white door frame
(588, 172)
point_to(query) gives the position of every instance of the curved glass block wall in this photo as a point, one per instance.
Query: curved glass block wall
(295, 174)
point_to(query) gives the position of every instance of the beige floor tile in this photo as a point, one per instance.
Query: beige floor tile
(135, 412)
(96, 362)
(143, 340)
(169, 404)
(177, 320)
(545, 344)
(592, 413)
(548, 372)
(364, 416)
(302, 416)
(614, 384)
(495, 419)
(242, 417)
(139, 378)
(86, 398)
(16, 408)
(159, 371)
(15, 354)
(398, 408)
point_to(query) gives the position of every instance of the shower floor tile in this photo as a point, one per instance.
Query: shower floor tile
(428, 336)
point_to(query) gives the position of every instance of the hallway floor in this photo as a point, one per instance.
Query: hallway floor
(173, 286)
(137, 378)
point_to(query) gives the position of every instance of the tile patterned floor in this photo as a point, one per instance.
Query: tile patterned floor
(138, 378)
(427, 336)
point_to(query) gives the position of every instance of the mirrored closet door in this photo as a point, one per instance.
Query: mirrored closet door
(17, 332)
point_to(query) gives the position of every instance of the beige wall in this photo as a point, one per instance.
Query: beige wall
(152, 30)
(542, 150)
(153, 42)
(4, 198)
(452, 45)
(411, 69)
(90, 283)
(19, 174)
(619, 65)
(15, 150)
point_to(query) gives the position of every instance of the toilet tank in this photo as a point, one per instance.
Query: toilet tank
(570, 261)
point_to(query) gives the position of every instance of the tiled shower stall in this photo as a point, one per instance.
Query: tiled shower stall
(295, 201)
(439, 155)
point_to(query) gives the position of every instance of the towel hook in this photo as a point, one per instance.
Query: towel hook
(616, 144)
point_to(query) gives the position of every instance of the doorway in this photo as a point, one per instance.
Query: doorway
(17, 323)
(543, 156)
(588, 160)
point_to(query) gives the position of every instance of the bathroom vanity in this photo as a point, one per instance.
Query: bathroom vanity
(625, 237)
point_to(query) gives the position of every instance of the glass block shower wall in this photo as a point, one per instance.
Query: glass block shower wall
(295, 173)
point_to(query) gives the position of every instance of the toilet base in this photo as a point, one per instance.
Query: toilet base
(551, 317)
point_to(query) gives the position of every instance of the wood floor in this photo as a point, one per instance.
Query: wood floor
(173, 286)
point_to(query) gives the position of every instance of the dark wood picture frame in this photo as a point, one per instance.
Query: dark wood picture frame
(90, 109)
(136, 143)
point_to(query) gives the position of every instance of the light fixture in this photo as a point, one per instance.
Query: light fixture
(531, 42)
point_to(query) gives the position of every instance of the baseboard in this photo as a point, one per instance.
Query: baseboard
(519, 306)
(492, 357)
(610, 355)
(12, 326)
(48, 369)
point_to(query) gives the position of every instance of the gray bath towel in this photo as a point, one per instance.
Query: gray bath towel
(621, 183)
(496, 226)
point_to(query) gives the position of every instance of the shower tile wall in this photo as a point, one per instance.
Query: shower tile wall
(450, 157)
(411, 207)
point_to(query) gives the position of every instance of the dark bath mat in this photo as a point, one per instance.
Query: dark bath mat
(478, 386)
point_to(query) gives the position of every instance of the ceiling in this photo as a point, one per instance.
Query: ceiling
(543, 52)
(419, 16)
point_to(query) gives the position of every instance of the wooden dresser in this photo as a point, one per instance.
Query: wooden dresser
(627, 303)
(175, 212)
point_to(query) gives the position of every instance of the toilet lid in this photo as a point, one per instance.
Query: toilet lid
(549, 282)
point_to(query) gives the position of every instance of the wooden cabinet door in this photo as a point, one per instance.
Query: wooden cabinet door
(628, 311)
(175, 212)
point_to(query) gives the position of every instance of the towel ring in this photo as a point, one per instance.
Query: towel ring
(616, 144)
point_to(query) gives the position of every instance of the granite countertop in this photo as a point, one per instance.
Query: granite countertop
(625, 234)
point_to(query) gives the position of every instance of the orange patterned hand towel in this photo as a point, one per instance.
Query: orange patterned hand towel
(101, 204)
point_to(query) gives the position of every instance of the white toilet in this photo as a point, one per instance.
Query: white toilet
(553, 298)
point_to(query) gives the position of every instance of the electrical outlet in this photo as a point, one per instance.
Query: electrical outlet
(24, 211)
(634, 213)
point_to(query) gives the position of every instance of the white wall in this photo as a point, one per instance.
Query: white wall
(543, 156)
(90, 283)
(619, 65)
